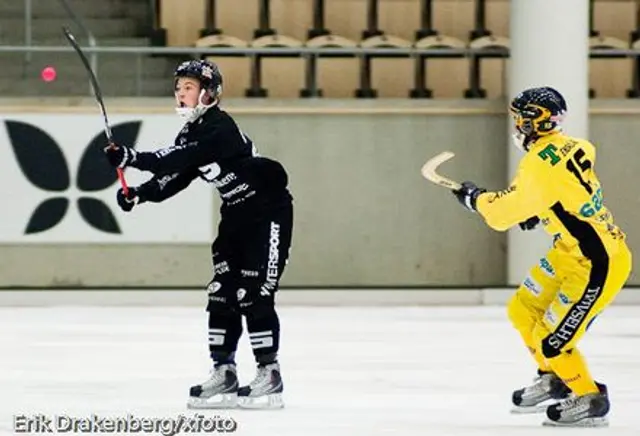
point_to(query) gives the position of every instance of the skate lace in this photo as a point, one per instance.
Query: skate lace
(262, 378)
(540, 386)
(575, 404)
(216, 376)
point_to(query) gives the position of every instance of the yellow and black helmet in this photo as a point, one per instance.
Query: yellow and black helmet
(538, 111)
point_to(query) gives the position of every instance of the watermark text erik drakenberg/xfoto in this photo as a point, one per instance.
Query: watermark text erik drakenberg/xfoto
(198, 423)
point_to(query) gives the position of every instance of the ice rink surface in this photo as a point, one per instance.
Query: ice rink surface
(347, 371)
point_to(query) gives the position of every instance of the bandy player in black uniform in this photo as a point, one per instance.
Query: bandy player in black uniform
(254, 233)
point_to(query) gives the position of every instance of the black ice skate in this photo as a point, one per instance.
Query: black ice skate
(585, 411)
(548, 389)
(265, 391)
(220, 391)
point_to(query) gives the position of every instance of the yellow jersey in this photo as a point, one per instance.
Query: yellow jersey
(556, 181)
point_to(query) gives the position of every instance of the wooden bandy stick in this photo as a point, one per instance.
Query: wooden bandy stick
(429, 171)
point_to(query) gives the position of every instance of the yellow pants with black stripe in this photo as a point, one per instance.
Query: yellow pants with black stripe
(556, 303)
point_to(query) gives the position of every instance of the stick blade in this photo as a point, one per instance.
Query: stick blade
(429, 170)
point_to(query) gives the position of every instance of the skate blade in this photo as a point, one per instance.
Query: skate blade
(221, 401)
(587, 422)
(272, 401)
(517, 410)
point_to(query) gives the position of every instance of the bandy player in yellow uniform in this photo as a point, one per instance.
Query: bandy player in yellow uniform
(589, 263)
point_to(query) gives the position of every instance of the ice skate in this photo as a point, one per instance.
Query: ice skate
(265, 391)
(220, 391)
(548, 389)
(585, 411)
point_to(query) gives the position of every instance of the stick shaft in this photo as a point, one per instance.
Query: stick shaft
(98, 96)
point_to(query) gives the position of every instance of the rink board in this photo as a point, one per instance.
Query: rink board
(286, 297)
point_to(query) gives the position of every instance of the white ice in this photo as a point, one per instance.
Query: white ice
(348, 371)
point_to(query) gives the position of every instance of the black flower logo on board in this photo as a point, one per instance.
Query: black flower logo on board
(43, 163)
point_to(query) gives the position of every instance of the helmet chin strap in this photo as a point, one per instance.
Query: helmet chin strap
(190, 114)
(522, 142)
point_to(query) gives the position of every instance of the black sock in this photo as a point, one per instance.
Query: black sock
(224, 333)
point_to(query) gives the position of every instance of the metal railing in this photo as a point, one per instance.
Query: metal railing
(310, 54)
(279, 51)
(307, 53)
(28, 26)
(304, 52)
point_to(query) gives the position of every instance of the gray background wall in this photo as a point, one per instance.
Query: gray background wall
(364, 215)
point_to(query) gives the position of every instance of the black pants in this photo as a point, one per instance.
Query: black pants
(249, 257)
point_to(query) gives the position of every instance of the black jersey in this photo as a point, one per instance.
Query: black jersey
(214, 149)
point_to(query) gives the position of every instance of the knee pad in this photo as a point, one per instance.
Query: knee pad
(549, 347)
(258, 310)
(519, 315)
(254, 300)
(548, 350)
(220, 295)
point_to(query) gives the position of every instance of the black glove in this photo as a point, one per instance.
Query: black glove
(120, 156)
(468, 194)
(127, 202)
(530, 224)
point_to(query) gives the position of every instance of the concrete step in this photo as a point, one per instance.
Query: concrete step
(51, 28)
(65, 88)
(83, 9)
(69, 66)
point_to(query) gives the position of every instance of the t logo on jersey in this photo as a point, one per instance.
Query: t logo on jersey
(42, 162)
(549, 152)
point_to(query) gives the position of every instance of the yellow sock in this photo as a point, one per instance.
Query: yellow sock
(572, 369)
(543, 365)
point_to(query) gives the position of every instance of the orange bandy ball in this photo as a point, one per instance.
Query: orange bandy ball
(48, 74)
